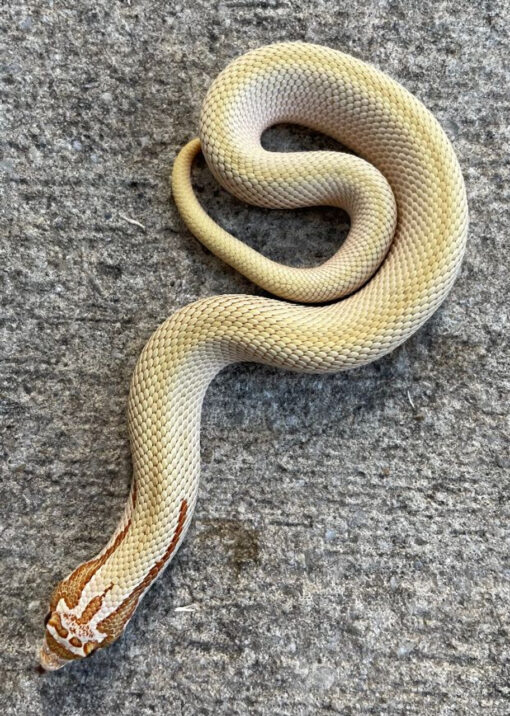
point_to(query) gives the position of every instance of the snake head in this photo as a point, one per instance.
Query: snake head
(66, 638)
(75, 623)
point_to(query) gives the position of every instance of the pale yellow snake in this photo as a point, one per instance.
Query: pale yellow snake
(407, 205)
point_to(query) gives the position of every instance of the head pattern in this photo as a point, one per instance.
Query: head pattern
(89, 611)
(69, 635)
(83, 615)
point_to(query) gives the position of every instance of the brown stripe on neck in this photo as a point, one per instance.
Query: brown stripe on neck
(93, 607)
(71, 588)
(114, 624)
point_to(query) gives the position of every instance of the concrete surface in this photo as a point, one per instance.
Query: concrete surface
(350, 550)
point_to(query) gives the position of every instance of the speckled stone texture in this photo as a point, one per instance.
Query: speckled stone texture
(349, 552)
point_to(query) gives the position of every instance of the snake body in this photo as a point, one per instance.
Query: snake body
(407, 205)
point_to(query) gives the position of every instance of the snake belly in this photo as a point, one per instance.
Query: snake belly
(406, 199)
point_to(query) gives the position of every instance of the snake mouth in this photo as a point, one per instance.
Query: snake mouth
(48, 660)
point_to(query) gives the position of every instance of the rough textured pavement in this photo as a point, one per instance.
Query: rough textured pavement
(350, 550)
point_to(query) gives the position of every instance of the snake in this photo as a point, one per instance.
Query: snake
(401, 184)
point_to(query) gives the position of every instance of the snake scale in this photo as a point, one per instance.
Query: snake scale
(403, 190)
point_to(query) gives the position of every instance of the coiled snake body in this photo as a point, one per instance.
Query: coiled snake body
(408, 211)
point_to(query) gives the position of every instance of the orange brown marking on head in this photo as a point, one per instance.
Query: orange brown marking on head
(58, 649)
(76, 642)
(93, 607)
(114, 624)
(90, 646)
(56, 623)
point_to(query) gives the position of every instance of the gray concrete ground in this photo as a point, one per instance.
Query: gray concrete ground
(349, 552)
